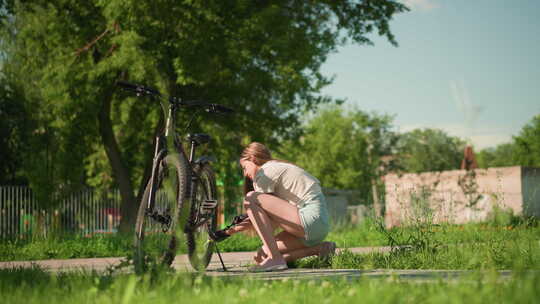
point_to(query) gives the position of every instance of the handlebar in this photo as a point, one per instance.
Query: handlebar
(143, 90)
(215, 108)
(137, 88)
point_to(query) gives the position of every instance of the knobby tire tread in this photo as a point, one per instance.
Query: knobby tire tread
(181, 166)
(207, 179)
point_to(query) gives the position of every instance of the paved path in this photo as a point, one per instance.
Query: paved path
(236, 263)
(181, 262)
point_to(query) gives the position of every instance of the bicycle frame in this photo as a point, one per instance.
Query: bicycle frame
(161, 148)
(168, 139)
(200, 205)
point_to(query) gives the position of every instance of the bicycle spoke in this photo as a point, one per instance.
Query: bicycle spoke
(199, 245)
(161, 233)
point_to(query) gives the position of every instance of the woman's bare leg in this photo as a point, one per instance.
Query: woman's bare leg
(285, 242)
(262, 224)
(263, 210)
(304, 252)
(293, 255)
(290, 247)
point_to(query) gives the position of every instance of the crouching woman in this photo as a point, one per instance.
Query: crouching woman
(279, 194)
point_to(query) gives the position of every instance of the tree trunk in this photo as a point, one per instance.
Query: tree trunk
(376, 199)
(374, 176)
(128, 208)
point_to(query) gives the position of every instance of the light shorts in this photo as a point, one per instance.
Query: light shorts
(314, 218)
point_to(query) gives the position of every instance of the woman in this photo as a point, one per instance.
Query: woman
(279, 194)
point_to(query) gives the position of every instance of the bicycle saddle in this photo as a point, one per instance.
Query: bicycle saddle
(199, 138)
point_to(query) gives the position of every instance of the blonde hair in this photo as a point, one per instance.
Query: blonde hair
(257, 153)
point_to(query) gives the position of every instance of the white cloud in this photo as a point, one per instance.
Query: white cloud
(461, 97)
(424, 5)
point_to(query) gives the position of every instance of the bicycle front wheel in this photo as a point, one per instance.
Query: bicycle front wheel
(159, 229)
(200, 247)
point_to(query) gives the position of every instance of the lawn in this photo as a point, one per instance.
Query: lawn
(482, 248)
(493, 245)
(34, 285)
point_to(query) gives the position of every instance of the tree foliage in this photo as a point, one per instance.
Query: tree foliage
(524, 150)
(259, 57)
(423, 150)
(343, 149)
(502, 155)
(527, 144)
(13, 132)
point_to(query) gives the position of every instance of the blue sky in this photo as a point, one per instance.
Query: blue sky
(469, 67)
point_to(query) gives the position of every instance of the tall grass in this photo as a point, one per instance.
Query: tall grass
(65, 247)
(500, 244)
(112, 245)
(33, 286)
(107, 245)
(509, 243)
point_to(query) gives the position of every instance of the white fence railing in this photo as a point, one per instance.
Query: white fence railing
(83, 212)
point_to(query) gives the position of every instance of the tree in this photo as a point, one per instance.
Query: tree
(343, 149)
(260, 57)
(12, 132)
(527, 144)
(423, 150)
(502, 155)
(524, 150)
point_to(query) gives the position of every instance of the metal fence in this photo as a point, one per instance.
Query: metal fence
(83, 212)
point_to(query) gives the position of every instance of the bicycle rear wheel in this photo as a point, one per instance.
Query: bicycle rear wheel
(200, 247)
(158, 231)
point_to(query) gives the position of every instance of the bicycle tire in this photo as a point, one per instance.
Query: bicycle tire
(153, 245)
(200, 247)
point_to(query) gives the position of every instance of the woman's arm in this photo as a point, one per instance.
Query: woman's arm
(243, 225)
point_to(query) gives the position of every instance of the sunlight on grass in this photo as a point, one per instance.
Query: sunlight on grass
(508, 244)
(33, 285)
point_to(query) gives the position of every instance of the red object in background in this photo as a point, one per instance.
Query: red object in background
(469, 161)
(112, 211)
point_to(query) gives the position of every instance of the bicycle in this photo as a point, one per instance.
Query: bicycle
(180, 197)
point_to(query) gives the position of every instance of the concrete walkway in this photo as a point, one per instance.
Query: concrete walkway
(237, 262)
(233, 260)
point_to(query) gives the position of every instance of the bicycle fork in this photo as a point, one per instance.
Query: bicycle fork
(149, 211)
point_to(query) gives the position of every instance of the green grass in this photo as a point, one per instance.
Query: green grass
(494, 245)
(482, 248)
(65, 247)
(34, 285)
(428, 246)
(365, 234)
(110, 245)
(74, 246)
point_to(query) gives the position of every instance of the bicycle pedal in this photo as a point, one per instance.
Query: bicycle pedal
(209, 204)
